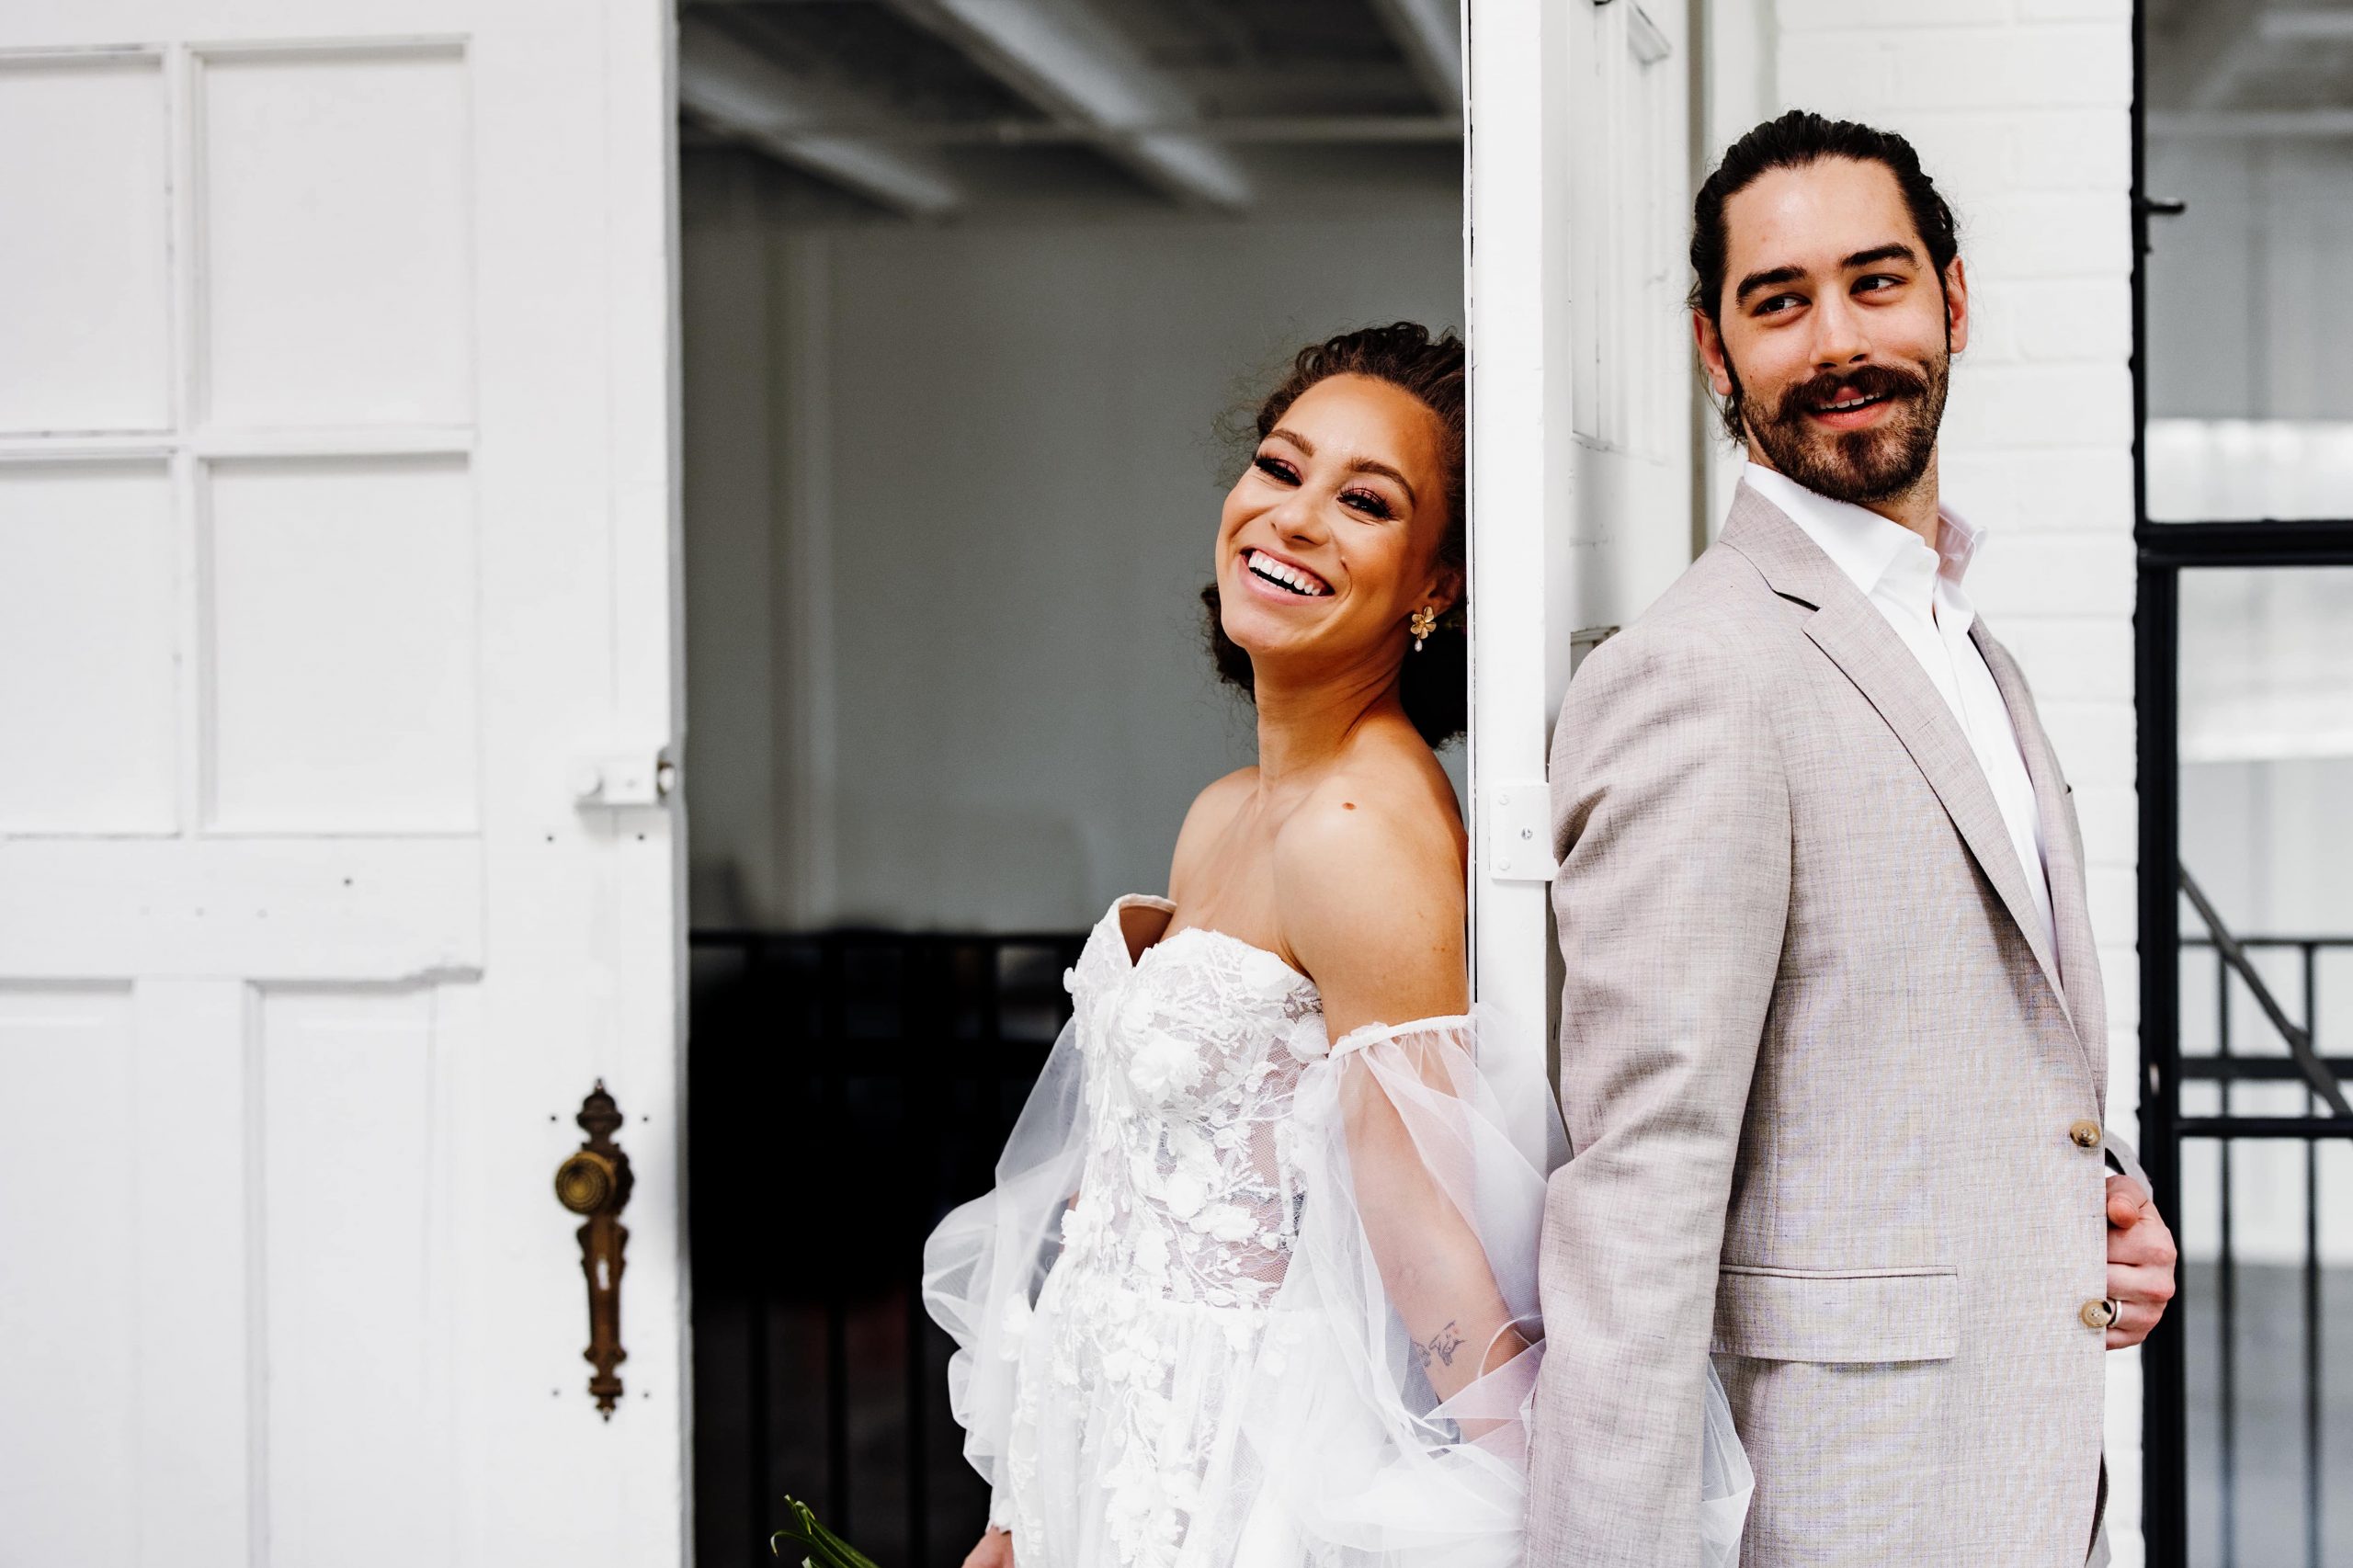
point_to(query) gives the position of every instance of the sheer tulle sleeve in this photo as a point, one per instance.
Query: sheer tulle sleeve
(1388, 1415)
(984, 1263)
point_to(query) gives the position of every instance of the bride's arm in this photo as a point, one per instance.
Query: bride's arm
(1433, 1265)
(1372, 903)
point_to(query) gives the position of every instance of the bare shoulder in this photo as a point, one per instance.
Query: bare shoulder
(1215, 805)
(1212, 813)
(1368, 879)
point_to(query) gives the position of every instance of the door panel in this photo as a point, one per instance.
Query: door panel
(342, 640)
(335, 235)
(86, 644)
(337, 532)
(349, 1111)
(68, 1353)
(86, 267)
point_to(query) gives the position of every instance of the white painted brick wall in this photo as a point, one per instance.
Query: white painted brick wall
(2021, 110)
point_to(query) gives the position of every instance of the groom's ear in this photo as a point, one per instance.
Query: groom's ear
(1956, 306)
(1712, 352)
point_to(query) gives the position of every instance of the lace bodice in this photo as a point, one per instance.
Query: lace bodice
(1191, 1189)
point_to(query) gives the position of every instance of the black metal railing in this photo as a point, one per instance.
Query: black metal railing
(845, 1090)
(2233, 1311)
(2191, 1513)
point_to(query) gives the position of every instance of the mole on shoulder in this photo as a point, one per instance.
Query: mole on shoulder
(1347, 805)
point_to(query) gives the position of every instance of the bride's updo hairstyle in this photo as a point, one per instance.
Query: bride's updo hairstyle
(1434, 683)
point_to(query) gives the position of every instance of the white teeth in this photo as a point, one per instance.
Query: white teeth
(1290, 577)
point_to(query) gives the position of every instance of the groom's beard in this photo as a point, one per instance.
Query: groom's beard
(1857, 466)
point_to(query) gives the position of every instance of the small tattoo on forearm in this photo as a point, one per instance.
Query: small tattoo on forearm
(1441, 1348)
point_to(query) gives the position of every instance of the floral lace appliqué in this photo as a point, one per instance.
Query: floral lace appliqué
(1184, 1220)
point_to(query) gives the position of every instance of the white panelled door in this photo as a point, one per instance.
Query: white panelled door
(1581, 402)
(337, 540)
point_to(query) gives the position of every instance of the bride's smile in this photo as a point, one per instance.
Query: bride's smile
(1295, 580)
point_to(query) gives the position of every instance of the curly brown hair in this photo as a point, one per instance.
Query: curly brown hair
(1434, 683)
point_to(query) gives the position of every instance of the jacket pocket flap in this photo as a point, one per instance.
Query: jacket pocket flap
(1839, 1315)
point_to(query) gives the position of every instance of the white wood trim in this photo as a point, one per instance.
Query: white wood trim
(220, 443)
(106, 446)
(1519, 470)
(285, 28)
(192, 677)
(1738, 61)
(1580, 513)
(356, 909)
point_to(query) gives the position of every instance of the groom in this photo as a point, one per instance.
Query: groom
(1833, 1044)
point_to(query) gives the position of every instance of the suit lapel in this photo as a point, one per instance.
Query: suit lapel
(1850, 630)
(2063, 865)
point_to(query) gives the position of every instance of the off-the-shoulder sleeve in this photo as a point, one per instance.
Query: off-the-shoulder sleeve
(984, 1265)
(1413, 1270)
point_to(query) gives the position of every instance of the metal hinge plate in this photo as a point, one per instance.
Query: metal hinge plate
(1520, 831)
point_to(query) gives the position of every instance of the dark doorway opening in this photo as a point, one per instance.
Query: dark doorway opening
(846, 1090)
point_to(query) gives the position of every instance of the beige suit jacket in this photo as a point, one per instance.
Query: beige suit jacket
(1825, 1087)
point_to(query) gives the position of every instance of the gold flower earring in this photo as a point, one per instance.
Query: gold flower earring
(1421, 623)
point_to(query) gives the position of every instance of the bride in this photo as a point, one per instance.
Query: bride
(1257, 1285)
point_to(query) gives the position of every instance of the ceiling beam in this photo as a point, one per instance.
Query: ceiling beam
(1065, 57)
(737, 90)
(2286, 125)
(2197, 68)
(2227, 39)
(1429, 34)
(2308, 27)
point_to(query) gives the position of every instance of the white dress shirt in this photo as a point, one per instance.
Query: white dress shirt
(1919, 591)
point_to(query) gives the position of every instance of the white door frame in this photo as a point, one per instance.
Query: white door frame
(1581, 429)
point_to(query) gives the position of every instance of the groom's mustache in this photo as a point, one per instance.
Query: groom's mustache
(1888, 382)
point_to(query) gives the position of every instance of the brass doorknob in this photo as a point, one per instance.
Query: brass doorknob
(587, 1182)
(593, 1181)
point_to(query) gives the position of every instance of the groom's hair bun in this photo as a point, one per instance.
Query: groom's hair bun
(1434, 683)
(1792, 142)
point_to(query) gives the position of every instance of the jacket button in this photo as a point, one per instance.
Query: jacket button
(2085, 1134)
(2097, 1314)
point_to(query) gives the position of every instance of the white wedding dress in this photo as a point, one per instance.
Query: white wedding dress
(1176, 1345)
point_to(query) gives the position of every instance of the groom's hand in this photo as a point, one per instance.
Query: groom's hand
(2140, 1261)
